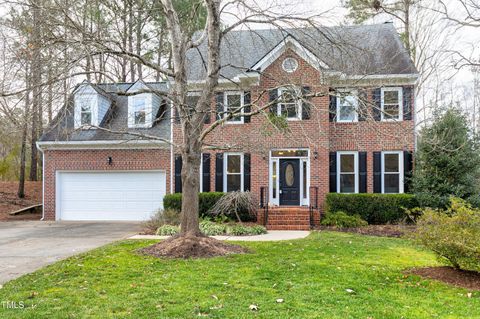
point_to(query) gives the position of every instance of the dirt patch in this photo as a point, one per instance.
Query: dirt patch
(192, 247)
(449, 275)
(375, 230)
(9, 201)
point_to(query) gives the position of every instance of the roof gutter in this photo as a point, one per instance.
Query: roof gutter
(112, 144)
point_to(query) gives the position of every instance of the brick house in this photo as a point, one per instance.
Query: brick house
(343, 100)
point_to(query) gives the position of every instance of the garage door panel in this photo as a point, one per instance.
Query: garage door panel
(110, 195)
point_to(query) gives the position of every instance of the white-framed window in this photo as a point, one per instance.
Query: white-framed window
(289, 105)
(85, 112)
(233, 172)
(139, 111)
(392, 104)
(233, 100)
(347, 106)
(392, 172)
(347, 172)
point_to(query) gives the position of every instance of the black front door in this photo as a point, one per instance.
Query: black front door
(290, 182)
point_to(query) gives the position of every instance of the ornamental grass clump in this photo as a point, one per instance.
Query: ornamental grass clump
(453, 234)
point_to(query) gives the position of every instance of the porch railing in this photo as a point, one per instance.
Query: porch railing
(264, 203)
(313, 204)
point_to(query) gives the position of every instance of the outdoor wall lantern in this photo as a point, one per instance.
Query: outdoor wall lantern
(315, 155)
(109, 160)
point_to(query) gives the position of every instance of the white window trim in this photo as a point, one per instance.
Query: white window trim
(353, 93)
(299, 104)
(400, 167)
(356, 171)
(225, 105)
(200, 186)
(400, 103)
(276, 201)
(225, 162)
(145, 106)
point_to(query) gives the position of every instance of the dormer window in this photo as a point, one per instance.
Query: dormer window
(143, 107)
(91, 105)
(85, 113)
(139, 111)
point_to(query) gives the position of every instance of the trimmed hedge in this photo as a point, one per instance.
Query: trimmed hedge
(374, 208)
(205, 201)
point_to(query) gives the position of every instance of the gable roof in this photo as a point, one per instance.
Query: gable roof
(351, 50)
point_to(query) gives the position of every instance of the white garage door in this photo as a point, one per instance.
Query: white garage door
(109, 195)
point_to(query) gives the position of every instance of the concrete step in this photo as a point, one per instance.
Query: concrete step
(288, 227)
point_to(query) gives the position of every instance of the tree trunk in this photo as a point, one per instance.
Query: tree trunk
(190, 188)
(23, 150)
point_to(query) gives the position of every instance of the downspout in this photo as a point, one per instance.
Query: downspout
(43, 180)
(171, 147)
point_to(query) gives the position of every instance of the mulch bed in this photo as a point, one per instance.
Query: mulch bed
(374, 230)
(449, 275)
(192, 247)
(9, 201)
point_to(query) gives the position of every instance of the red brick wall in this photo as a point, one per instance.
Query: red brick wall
(96, 160)
(316, 134)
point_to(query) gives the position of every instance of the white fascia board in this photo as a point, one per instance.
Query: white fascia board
(113, 144)
(297, 47)
(244, 80)
(373, 79)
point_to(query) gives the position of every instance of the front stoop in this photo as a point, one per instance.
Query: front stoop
(286, 218)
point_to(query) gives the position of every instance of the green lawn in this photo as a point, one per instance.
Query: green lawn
(311, 275)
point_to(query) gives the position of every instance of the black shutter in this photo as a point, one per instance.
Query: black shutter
(362, 171)
(247, 108)
(205, 172)
(407, 103)
(219, 104)
(206, 119)
(407, 170)
(362, 103)
(333, 172)
(176, 115)
(377, 172)
(246, 172)
(332, 106)
(377, 104)
(273, 96)
(219, 172)
(178, 173)
(306, 103)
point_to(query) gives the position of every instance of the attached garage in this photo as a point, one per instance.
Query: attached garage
(115, 196)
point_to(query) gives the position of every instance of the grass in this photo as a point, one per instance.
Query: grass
(312, 275)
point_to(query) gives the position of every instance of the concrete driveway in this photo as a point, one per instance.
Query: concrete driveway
(26, 246)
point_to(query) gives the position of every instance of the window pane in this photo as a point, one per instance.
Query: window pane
(192, 100)
(348, 106)
(274, 179)
(392, 183)
(391, 163)
(289, 110)
(391, 111)
(390, 97)
(139, 104)
(347, 163)
(304, 179)
(233, 183)
(140, 117)
(86, 118)
(85, 107)
(233, 103)
(347, 183)
(233, 164)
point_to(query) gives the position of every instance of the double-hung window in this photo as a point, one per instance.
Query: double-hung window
(139, 111)
(233, 103)
(392, 104)
(233, 172)
(347, 172)
(392, 172)
(347, 105)
(289, 105)
(85, 113)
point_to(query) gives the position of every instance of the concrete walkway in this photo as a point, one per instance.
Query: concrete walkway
(272, 235)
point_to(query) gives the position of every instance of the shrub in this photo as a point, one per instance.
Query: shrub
(168, 230)
(206, 201)
(373, 208)
(162, 217)
(209, 228)
(243, 230)
(342, 220)
(236, 205)
(452, 234)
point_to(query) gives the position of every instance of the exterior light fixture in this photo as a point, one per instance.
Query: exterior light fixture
(315, 155)
(109, 160)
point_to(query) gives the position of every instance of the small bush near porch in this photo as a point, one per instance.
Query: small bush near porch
(373, 208)
(327, 275)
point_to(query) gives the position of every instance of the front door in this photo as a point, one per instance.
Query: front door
(290, 182)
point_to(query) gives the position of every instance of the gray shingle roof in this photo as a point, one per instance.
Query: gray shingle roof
(353, 50)
(115, 119)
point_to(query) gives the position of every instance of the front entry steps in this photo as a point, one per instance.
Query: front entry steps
(286, 218)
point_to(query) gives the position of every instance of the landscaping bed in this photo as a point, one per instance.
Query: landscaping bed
(395, 231)
(9, 201)
(326, 275)
(457, 277)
